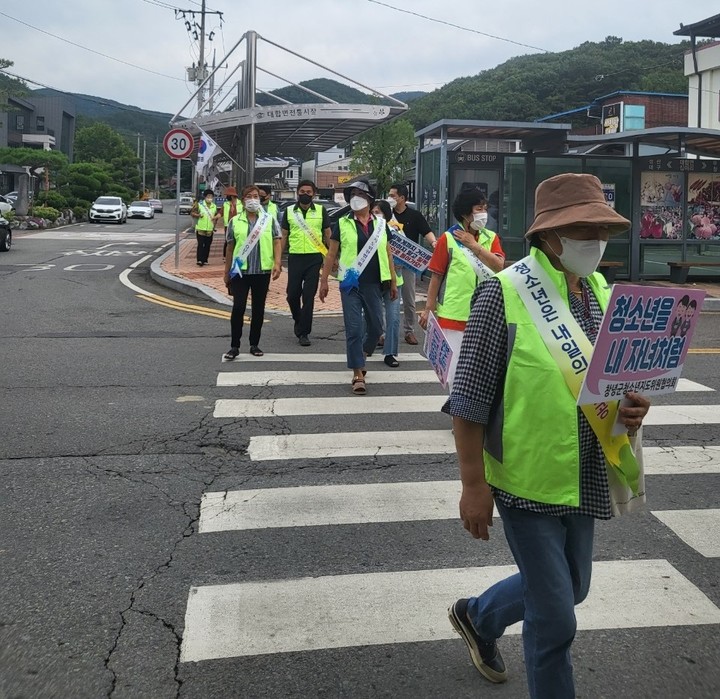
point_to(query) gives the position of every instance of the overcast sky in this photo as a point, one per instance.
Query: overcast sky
(395, 52)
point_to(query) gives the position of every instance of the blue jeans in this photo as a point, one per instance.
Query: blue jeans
(391, 326)
(554, 556)
(362, 308)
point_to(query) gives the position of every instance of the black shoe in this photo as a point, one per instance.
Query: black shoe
(256, 351)
(391, 361)
(484, 654)
(231, 354)
(304, 341)
(199, 264)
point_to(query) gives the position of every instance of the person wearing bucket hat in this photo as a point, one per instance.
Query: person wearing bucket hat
(361, 243)
(544, 461)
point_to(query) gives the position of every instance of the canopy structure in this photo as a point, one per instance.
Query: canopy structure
(244, 128)
(683, 139)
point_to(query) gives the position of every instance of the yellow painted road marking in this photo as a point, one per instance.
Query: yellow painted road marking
(704, 350)
(160, 301)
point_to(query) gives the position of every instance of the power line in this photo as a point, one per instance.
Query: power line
(85, 48)
(458, 26)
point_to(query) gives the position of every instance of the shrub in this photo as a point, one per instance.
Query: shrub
(47, 212)
(9, 215)
(80, 212)
(53, 199)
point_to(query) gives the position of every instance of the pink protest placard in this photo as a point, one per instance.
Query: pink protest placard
(642, 344)
(437, 349)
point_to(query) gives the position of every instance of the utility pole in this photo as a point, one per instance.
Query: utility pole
(143, 166)
(212, 84)
(157, 172)
(201, 61)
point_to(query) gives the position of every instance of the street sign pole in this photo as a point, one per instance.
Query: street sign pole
(178, 144)
(177, 215)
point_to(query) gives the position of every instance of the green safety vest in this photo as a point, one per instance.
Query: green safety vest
(241, 228)
(532, 447)
(272, 209)
(298, 243)
(460, 280)
(205, 222)
(349, 246)
(226, 211)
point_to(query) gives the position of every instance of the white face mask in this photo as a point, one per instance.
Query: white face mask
(392, 201)
(358, 203)
(581, 257)
(479, 221)
(252, 205)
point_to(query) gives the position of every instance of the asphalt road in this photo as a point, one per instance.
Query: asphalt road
(108, 441)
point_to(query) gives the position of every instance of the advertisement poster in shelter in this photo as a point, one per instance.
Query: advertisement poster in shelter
(661, 201)
(703, 207)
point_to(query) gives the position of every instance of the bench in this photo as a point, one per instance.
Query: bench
(609, 269)
(679, 270)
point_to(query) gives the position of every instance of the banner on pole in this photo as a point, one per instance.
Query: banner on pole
(206, 153)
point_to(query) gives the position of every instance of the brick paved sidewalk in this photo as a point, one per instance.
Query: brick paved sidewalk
(211, 275)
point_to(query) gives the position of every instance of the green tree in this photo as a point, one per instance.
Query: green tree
(385, 153)
(9, 86)
(100, 143)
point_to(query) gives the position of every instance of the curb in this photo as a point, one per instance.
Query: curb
(184, 285)
(711, 303)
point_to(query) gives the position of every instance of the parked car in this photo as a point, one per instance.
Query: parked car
(141, 209)
(157, 205)
(12, 197)
(5, 235)
(185, 205)
(6, 205)
(108, 209)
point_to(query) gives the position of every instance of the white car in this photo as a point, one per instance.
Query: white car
(185, 205)
(141, 209)
(5, 205)
(111, 209)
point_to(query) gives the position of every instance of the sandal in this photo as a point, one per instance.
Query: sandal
(256, 351)
(391, 361)
(231, 354)
(358, 386)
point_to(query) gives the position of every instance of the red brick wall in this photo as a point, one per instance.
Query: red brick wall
(660, 111)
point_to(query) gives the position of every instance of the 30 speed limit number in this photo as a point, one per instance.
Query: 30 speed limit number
(178, 143)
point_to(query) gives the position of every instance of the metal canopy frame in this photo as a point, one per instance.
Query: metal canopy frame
(287, 129)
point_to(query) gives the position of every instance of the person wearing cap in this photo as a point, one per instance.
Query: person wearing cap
(465, 255)
(305, 230)
(206, 214)
(229, 212)
(362, 242)
(525, 446)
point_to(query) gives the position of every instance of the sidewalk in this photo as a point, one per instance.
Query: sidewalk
(208, 280)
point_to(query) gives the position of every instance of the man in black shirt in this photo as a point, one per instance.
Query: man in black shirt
(413, 224)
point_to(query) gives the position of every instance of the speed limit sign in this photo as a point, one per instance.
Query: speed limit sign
(178, 143)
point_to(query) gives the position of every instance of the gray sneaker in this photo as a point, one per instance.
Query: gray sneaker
(484, 654)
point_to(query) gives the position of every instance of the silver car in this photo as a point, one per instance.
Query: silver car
(141, 209)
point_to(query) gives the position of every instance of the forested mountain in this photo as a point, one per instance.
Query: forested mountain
(528, 87)
(521, 89)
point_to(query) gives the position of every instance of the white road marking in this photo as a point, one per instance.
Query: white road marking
(308, 378)
(286, 407)
(302, 358)
(678, 461)
(137, 263)
(697, 528)
(341, 444)
(227, 621)
(310, 506)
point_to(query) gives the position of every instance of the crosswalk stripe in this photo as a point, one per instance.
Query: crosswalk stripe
(301, 358)
(256, 618)
(677, 461)
(341, 444)
(307, 506)
(309, 378)
(288, 407)
(697, 528)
